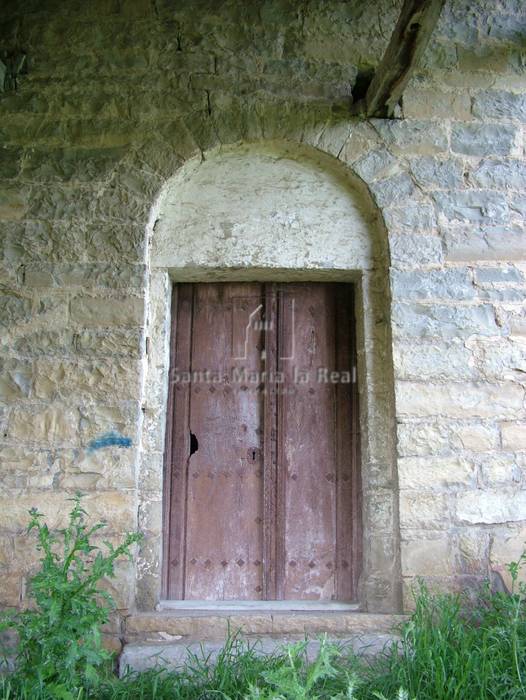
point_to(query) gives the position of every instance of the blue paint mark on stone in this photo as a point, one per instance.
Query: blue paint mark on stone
(109, 440)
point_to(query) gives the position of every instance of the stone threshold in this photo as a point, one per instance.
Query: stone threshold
(257, 606)
(173, 655)
(204, 625)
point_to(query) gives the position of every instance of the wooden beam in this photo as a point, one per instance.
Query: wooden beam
(406, 46)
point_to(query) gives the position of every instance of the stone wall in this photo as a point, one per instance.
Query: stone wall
(118, 95)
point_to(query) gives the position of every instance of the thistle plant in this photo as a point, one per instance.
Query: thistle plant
(59, 638)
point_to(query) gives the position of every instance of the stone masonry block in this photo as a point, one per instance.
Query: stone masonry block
(46, 424)
(440, 321)
(517, 203)
(504, 275)
(499, 104)
(513, 436)
(474, 437)
(410, 218)
(435, 473)
(484, 207)
(483, 139)
(499, 174)
(14, 308)
(422, 103)
(501, 470)
(101, 312)
(460, 400)
(432, 284)
(484, 242)
(115, 342)
(98, 419)
(391, 190)
(116, 508)
(473, 554)
(433, 360)
(16, 379)
(502, 359)
(422, 511)
(375, 164)
(84, 164)
(91, 275)
(440, 437)
(413, 136)
(97, 380)
(507, 546)
(427, 556)
(438, 173)
(490, 507)
(409, 250)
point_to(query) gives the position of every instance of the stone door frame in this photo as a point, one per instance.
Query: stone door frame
(380, 588)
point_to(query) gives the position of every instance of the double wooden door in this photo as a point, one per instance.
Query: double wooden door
(262, 480)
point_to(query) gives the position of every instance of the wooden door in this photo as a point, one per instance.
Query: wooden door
(263, 489)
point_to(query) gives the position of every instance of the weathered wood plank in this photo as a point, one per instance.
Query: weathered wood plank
(224, 542)
(270, 432)
(406, 46)
(177, 441)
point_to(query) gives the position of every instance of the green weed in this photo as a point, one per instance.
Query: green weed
(59, 652)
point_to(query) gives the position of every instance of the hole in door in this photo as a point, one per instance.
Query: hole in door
(194, 445)
(268, 506)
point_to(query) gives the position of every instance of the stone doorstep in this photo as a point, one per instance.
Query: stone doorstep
(140, 656)
(167, 638)
(181, 626)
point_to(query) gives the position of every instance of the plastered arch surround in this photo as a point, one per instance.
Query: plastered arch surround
(275, 212)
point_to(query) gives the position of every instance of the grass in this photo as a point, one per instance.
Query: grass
(449, 649)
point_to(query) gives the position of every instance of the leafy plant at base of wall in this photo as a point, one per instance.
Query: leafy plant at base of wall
(295, 678)
(515, 607)
(59, 640)
(454, 647)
